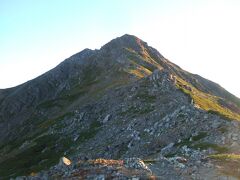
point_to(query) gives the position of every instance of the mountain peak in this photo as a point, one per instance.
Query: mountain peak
(128, 38)
(126, 41)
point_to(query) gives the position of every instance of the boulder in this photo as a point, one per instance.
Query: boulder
(64, 161)
(106, 119)
(135, 163)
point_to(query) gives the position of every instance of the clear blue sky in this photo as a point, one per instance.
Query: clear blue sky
(202, 36)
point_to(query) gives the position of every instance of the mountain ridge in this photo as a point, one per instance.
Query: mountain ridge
(126, 89)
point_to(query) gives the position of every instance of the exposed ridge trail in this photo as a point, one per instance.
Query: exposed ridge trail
(122, 101)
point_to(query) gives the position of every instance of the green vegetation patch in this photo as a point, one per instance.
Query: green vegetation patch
(43, 152)
(201, 135)
(193, 143)
(215, 147)
(49, 122)
(171, 155)
(134, 111)
(122, 150)
(206, 101)
(46, 152)
(189, 142)
(143, 95)
(91, 132)
(225, 156)
(49, 104)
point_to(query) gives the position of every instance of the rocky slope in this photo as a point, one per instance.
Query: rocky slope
(122, 101)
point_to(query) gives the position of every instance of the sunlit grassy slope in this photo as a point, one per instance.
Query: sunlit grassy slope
(205, 101)
(225, 156)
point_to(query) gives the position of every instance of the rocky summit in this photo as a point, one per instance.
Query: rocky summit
(121, 112)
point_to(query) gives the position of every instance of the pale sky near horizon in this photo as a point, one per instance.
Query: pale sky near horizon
(201, 36)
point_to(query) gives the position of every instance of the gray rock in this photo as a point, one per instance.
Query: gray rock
(234, 136)
(106, 119)
(167, 148)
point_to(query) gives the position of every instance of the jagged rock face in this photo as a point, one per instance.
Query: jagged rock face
(124, 100)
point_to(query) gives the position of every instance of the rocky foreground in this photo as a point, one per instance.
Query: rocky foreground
(96, 169)
(196, 166)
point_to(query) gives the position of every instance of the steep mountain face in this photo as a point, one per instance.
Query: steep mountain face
(123, 100)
